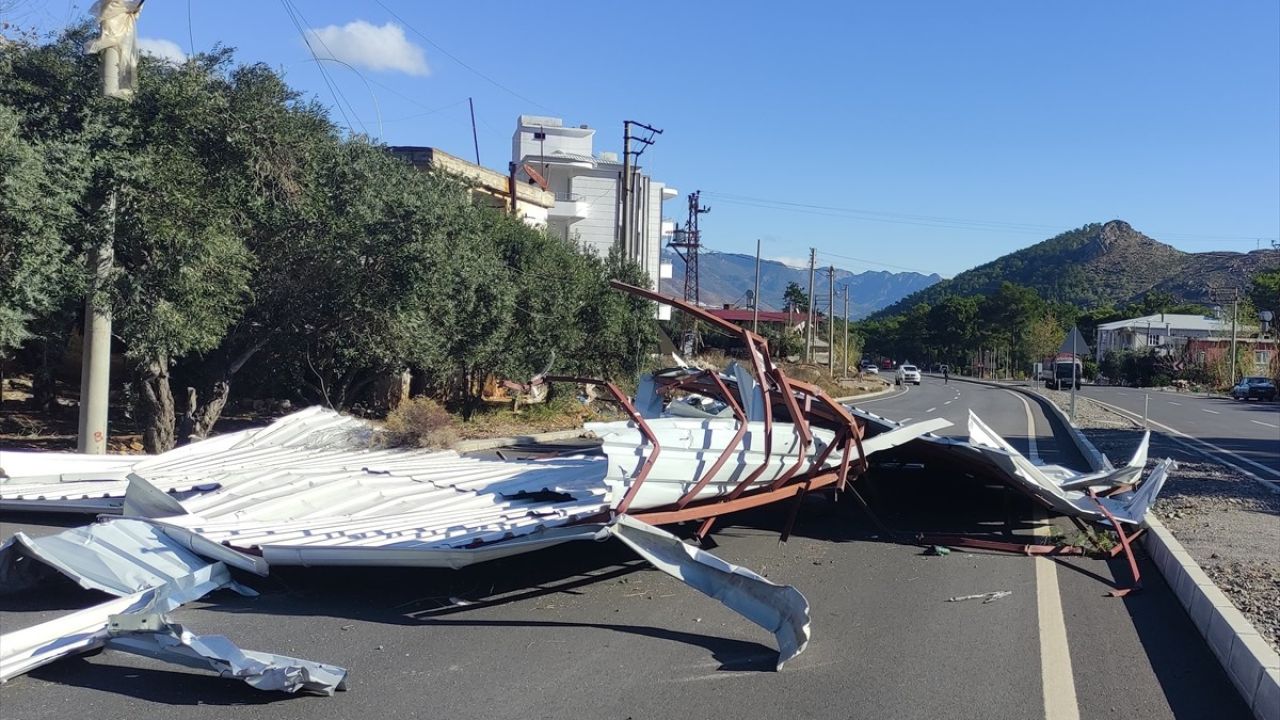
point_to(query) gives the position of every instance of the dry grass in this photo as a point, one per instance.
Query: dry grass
(418, 422)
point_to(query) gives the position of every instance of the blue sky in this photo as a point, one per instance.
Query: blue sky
(931, 135)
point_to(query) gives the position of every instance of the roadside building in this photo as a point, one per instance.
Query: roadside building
(1167, 333)
(587, 188)
(489, 188)
(1259, 355)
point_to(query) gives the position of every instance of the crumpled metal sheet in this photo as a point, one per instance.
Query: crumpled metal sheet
(84, 630)
(118, 557)
(780, 609)
(1128, 507)
(143, 632)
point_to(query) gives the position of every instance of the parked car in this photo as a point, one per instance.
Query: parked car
(1251, 388)
(907, 374)
(871, 370)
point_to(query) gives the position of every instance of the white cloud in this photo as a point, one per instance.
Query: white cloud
(794, 262)
(166, 50)
(369, 46)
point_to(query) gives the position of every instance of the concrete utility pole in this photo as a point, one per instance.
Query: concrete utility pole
(116, 43)
(626, 231)
(846, 331)
(831, 321)
(755, 298)
(808, 324)
(1218, 294)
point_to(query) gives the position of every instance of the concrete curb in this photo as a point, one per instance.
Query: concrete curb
(478, 444)
(864, 396)
(1250, 663)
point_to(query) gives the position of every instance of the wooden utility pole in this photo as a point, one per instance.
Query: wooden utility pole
(475, 139)
(808, 324)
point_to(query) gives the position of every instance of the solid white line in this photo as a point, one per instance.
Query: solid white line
(1034, 453)
(1267, 424)
(1057, 679)
(1268, 483)
(1214, 412)
(905, 390)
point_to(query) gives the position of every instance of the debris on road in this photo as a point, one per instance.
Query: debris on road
(313, 490)
(986, 598)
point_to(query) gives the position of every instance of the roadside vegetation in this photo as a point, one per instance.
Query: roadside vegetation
(260, 252)
(1015, 327)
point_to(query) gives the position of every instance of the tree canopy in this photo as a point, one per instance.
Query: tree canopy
(253, 239)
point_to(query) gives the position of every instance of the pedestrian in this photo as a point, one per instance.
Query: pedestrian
(946, 375)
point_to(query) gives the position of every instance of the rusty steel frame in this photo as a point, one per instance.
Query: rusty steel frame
(817, 408)
(643, 426)
(775, 386)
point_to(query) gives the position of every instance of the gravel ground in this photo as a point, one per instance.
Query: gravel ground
(1228, 522)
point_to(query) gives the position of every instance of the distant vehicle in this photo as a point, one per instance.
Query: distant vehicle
(907, 374)
(1060, 371)
(1251, 388)
(871, 370)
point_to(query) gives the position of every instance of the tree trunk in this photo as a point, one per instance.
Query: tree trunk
(155, 404)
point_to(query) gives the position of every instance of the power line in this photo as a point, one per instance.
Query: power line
(458, 60)
(289, 10)
(300, 22)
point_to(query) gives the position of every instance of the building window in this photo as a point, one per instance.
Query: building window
(539, 136)
(1262, 358)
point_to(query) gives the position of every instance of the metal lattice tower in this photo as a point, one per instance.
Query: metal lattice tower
(686, 242)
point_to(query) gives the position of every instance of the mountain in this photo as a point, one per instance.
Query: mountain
(728, 277)
(1099, 264)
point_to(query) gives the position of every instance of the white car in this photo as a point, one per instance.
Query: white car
(907, 374)
(871, 370)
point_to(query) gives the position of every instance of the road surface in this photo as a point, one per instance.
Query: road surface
(1245, 433)
(587, 631)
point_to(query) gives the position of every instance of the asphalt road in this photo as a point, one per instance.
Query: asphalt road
(588, 631)
(1248, 432)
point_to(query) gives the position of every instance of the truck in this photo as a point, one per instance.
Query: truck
(1059, 371)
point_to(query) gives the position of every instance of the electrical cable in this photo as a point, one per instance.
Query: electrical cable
(456, 59)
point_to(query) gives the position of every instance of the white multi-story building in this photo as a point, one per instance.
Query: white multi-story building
(588, 190)
(1166, 332)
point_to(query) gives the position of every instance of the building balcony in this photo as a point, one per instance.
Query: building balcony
(570, 206)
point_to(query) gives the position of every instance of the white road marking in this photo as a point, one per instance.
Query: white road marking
(1174, 403)
(948, 402)
(905, 390)
(904, 421)
(1265, 424)
(1034, 453)
(1056, 676)
(1271, 484)
(1212, 412)
(931, 409)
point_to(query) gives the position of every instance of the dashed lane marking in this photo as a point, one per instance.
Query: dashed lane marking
(1211, 412)
(1264, 424)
